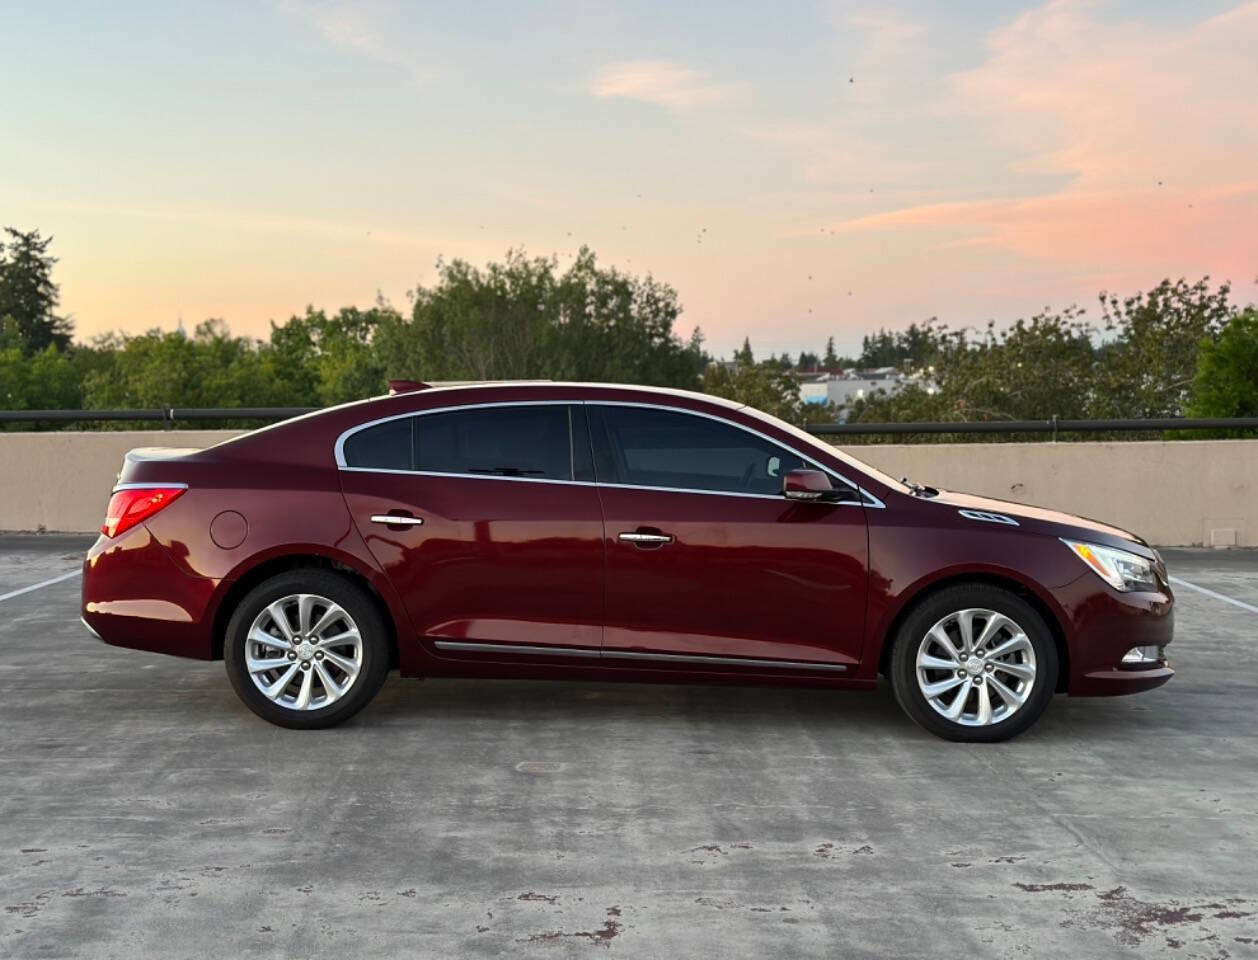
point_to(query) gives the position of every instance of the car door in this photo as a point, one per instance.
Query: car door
(474, 514)
(708, 565)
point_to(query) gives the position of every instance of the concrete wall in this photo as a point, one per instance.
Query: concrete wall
(60, 481)
(1175, 494)
(1181, 493)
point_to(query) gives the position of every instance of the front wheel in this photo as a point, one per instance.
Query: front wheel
(306, 649)
(974, 663)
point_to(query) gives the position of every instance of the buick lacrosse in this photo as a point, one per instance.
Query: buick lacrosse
(588, 531)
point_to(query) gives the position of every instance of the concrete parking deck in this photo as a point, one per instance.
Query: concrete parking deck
(144, 812)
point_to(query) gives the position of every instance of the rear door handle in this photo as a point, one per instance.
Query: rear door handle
(645, 539)
(404, 519)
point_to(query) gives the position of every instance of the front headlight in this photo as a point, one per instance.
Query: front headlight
(1120, 569)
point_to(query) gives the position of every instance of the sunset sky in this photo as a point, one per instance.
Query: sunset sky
(795, 169)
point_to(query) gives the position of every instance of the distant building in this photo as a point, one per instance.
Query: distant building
(841, 388)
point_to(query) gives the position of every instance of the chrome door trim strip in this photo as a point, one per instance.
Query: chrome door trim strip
(590, 653)
(464, 646)
(870, 501)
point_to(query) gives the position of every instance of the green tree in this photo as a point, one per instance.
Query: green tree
(320, 359)
(1148, 369)
(1028, 371)
(1226, 380)
(209, 369)
(831, 359)
(909, 349)
(47, 380)
(808, 362)
(765, 386)
(28, 297)
(524, 319)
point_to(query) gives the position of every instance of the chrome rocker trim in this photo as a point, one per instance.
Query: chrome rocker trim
(464, 646)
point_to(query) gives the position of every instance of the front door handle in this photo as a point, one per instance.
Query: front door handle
(403, 519)
(643, 539)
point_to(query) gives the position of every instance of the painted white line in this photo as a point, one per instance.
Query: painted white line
(1192, 586)
(37, 586)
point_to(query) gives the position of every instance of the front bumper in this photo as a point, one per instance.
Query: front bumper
(1107, 625)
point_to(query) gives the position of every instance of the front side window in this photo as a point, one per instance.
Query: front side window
(532, 442)
(640, 446)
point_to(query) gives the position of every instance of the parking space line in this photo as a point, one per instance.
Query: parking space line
(1192, 586)
(36, 586)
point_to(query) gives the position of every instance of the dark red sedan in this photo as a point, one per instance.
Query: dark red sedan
(615, 533)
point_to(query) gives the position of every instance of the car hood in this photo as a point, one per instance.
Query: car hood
(1046, 521)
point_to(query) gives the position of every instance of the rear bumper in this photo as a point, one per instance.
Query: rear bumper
(135, 596)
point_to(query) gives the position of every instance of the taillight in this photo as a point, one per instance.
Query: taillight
(133, 505)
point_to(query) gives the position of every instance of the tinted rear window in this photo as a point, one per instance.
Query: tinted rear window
(521, 441)
(386, 446)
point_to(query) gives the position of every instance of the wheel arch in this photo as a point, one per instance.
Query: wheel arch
(1019, 588)
(262, 568)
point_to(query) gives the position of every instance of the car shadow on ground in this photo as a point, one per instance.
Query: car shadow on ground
(848, 713)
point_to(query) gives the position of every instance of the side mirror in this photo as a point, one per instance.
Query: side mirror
(814, 485)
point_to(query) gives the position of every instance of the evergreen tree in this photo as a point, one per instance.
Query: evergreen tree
(28, 297)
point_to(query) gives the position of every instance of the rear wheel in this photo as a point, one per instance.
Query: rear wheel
(306, 649)
(974, 663)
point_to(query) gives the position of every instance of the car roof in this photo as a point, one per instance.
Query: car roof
(310, 439)
(558, 386)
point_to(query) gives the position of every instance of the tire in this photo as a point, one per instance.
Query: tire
(1017, 684)
(329, 680)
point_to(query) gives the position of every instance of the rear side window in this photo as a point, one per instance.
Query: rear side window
(520, 441)
(640, 446)
(386, 446)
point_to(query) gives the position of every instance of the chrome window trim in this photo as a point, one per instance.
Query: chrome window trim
(874, 501)
(153, 485)
(339, 449)
(592, 653)
(869, 500)
(468, 476)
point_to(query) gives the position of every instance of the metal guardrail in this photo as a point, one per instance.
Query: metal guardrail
(170, 415)
(1052, 425)
(166, 415)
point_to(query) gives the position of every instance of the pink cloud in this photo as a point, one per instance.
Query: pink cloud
(661, 82)
(1152, 133)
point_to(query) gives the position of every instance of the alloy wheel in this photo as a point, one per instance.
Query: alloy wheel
(976, 667)
(304, 652)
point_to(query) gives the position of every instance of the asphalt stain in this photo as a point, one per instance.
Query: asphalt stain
(1133, 921)
(603, 935)
(1049, 887)
(544, 898)
(827, 851)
